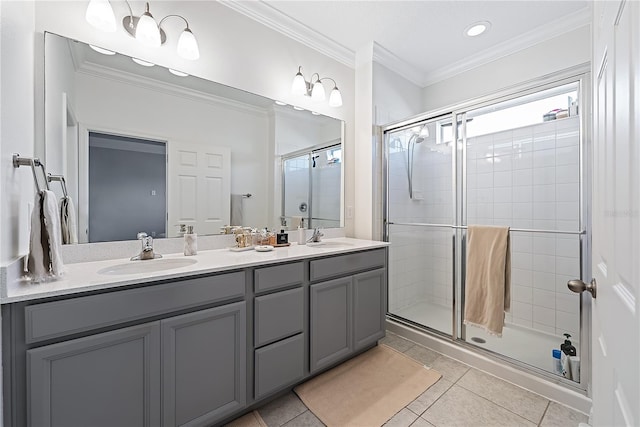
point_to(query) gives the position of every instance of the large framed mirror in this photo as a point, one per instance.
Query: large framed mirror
(145, 148)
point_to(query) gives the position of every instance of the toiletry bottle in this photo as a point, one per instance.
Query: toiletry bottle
(190, 242)
(557, 363)
(568, 348)
(282, 238)
(302, 237)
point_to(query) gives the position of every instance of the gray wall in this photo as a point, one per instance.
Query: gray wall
(120, 184)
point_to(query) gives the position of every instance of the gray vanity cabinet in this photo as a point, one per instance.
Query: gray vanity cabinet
(203, 365)
(369, 307)
(331, 318)
(109, 379)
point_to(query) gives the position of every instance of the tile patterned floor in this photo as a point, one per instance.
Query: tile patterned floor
(462, 397)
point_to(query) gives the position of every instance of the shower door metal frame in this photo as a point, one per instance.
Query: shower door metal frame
(579, 74)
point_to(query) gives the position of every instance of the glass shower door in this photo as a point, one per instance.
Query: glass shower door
(420, 217)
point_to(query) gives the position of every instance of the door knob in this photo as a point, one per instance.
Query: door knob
(579, 286)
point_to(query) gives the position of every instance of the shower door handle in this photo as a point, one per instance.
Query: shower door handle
(579, 286)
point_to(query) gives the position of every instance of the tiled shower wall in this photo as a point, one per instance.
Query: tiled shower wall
(523, 178)
(530, 178)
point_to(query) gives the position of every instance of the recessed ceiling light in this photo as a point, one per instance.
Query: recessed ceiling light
(280, 103)
(177, 73)
(102, 50)
(143, 63)
(298, 108)
(477, 28)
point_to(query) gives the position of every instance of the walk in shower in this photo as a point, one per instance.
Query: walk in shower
(515, 161)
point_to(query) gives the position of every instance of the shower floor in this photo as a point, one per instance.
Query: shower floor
(525, 345)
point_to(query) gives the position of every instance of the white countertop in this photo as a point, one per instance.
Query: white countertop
(83, 277)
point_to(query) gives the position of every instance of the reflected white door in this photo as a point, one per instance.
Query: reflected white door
(199, 187)
(616, 222)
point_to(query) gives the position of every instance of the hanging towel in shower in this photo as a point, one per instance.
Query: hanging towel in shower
(488, 278)
(68, 221)
(236, 209)
(45, 258)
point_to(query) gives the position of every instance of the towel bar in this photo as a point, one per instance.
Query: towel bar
(464, 227)
(33, 163)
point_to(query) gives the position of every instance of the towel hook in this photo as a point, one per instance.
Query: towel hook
(33, 163)
(61, 180)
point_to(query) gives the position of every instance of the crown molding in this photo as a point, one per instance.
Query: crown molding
(543, 33)
(272, 18)
(100, 71)
(387, 58)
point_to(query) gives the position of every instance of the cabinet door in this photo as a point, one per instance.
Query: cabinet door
(331, 311)
(204, 365)
(109, 379)
(369, 294)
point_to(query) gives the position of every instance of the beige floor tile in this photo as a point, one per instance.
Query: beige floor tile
(421, 422)
(399, 343)
(516, 399)
(404, 418)
(561, 416)
(427, 398)
(460, 407)
(451, 369)
(282, 410)
(306, 419)
(422, 355)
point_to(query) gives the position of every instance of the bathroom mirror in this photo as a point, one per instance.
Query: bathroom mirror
(144, 148)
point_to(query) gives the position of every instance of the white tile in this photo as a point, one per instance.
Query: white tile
(544, 175)
(567, 321)
(521, 277)
(485, 180)
(485, 195)
(544, 140)
(544, 328)
(569, 248)
(521, 242)
(523, 177)
(523, 322)
(544, 211)
(544, 158)
(544, 263)
(522, 294)
(567, 173)
(502, 146)
(471, 165)
(567, 211)
(544, 193)
(521, 260)
(568, 225)
(522, 210)
(567, 156)
(568, 192)
(544, 298)
(485, 165)
(502, 163)
(502, 210)
(544, 245)
(522, 310)
(522, 160)
(568, 266)
(522, 223)
(543, 315)
(544, 224)
(568, 303)
(502, 179)
(501, 195)
(542, 280)
(568, 138)
(523, 194)
(561, 284)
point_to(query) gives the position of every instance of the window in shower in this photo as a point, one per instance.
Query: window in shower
(517, 164)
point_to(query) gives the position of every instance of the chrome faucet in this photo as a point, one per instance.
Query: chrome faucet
(147, 248)
(315, 237)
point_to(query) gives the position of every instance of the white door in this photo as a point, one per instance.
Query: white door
(199, 187)
(616, 221)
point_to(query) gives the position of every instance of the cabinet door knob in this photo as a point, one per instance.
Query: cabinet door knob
(579, 286)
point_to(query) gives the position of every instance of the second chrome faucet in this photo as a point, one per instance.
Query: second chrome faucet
(147, 248)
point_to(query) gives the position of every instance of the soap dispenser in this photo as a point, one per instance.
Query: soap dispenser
(568, 348)
(190, 242)
(302, 237)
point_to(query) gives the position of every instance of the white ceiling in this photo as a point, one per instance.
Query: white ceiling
(421, 40)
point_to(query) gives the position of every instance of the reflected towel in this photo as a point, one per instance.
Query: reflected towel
(488, 279)
(236, 209)
(296, 221)
(45, 258)
(68, 223)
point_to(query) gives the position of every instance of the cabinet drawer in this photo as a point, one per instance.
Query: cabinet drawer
(279, 276)
(60, 318)
(278, 315)
(346, 264)
(278, 365)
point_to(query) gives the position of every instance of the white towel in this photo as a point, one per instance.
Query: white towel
(236, 209)
(45, 258)
(296, 221)
(68, 222)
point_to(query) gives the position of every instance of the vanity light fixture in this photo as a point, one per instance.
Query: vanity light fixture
(315, 88)
(102, 50)
(143, 63)
(144, 28)
(177, 73)
(477, 28)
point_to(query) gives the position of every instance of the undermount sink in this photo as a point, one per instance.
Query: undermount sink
(148, 266)
(329, 244)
